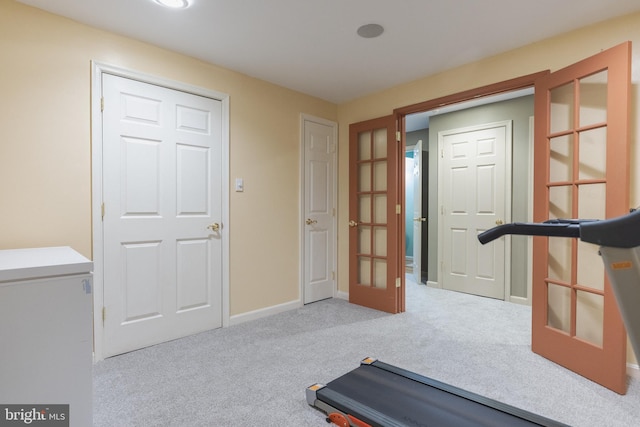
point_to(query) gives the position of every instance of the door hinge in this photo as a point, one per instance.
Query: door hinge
(333, 212)
(102, 211)
(102, 104)
(398, 136)
(333, 275)
(398, 209)
(104, 314)
(442, 153)
(398, 282)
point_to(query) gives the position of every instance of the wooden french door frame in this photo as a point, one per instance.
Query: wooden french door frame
(376, 223)
(603, 362)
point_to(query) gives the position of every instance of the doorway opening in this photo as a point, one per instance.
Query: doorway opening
(436, 118)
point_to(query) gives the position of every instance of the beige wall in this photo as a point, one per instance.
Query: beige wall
(45, 147)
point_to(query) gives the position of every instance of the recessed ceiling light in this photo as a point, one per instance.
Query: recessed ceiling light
(175, 4)
(370, 31)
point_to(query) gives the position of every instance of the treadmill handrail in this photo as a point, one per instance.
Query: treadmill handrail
(620, 232)
(559, 229)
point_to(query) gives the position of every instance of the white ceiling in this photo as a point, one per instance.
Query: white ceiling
(311, 45)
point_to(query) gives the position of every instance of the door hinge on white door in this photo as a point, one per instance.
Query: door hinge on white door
(104, 314)
(333, 275)
(102, 104)
(102, 211)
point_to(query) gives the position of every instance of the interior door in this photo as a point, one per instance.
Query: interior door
(581, 171)
(474, 197)
(319, 139)
(162, 194)
(418, 219)
(376, 261)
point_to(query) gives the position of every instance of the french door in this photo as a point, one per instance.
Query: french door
(581, 171)
(376, 258)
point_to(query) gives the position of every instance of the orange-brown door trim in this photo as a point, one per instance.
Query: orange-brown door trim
(467, 95)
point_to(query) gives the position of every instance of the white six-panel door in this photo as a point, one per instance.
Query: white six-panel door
(474, 198)
(319, 140)
(162, 169)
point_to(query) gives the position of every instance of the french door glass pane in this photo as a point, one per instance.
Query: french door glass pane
(593, 99)
(562, 101)
(364, 240)
(593, 154)
(380, 273)
(560, 202)
(364, 270)
(364, 180)
(380, 241)
(365, 209)
(380, 143)
(590, 266)
(561, 158)
(589, 317)
(559, 268)
(364, 146)
(380, 209)
(559, 307)
(592, 201)
(380, 176)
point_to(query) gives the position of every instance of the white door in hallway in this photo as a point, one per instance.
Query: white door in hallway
(319, 164)
(162, 195)
(475, 197)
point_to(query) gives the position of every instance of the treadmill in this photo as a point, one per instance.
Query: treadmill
(404, 398)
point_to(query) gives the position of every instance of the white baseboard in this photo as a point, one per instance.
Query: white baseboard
(264, 312)
(519, 300)
(633, 370)
(343, 295)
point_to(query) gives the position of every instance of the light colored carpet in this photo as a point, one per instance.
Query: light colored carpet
(255, 374)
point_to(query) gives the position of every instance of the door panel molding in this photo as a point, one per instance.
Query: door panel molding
(97, 71)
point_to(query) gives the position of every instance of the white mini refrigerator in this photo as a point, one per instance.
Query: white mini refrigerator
(46, 330)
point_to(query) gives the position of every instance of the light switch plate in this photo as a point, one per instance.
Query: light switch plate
(239, 184)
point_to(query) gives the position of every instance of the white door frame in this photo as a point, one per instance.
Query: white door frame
(97, 69)
(301, 216)
(508, 198)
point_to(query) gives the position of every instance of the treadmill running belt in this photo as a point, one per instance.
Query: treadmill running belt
(413, 400)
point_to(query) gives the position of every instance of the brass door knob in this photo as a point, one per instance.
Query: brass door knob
(310, 221)
(214, 227)
(421, 219)
(353, 223)
(499, 222)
